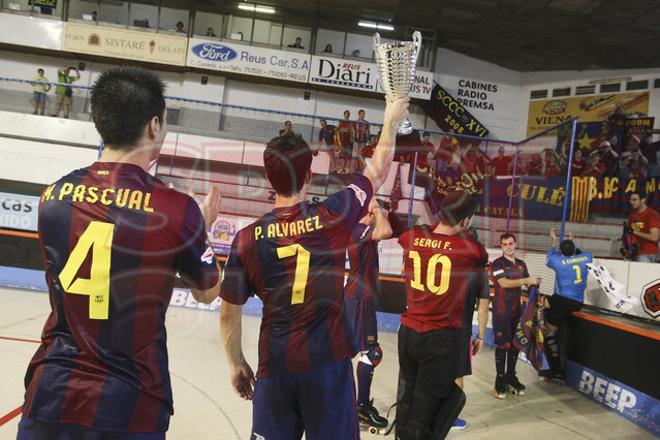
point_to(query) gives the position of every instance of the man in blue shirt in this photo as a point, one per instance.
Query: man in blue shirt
(570, 266)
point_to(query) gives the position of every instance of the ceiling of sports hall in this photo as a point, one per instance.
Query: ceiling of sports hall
(524, 35)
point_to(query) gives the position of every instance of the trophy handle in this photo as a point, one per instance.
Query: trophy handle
(376, 39)
(417, 39)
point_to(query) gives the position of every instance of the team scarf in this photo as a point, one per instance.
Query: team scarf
(528, 337)
(612, 288)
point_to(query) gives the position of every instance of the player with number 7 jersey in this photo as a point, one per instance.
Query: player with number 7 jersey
(293, 258)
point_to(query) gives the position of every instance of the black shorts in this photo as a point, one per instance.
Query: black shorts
(560, 309)
(464, 355)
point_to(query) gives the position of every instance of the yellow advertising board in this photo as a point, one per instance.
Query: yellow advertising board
(125, 44)
(545, 113)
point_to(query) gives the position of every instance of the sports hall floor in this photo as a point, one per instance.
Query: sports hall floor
(205, 407)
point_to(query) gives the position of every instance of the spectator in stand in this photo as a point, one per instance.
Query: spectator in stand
(297, 44)
(471, 162)
(425, 158)
(552, 166)
(287, 130)
(41, 87)
(328, 48)
(578, 165)
(179, 27)
(362, 133)
(608, 157)
(95, 16)
(645, 223)
(649, 150)
(64, 93)
(210, 32)
(596, 168)
(448, 147)
(345, 138)
(520, 168)
(327, 143)
(501, 163)
(356, 53)
(535, 165)
(632, 164)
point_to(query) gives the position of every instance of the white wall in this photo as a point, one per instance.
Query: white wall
(505, 119)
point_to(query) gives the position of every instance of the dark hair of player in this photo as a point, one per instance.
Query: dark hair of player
(567, 248)
(507, 236)
(640, 193)
(124, 100)
(287, 160)
(457, 206)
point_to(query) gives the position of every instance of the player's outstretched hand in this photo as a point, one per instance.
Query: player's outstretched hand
(396, 110)
(210, 206)
(553, 233)
(242, 380)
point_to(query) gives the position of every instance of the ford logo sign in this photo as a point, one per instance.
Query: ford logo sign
(214, 52)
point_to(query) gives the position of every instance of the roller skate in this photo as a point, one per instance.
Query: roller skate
(556, 376)
(369, 416)
(517, 389)
(499, 392)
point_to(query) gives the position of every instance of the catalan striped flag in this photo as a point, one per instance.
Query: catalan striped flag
(580, 199)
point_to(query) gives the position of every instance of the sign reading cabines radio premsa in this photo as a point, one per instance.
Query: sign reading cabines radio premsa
(125, 44)
(545, 113)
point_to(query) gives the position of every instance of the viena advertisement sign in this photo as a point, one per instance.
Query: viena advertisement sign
(248, 60)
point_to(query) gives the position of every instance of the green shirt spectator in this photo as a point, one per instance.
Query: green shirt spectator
(63, 77)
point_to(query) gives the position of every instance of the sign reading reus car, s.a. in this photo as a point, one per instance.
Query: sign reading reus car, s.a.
(248, 60)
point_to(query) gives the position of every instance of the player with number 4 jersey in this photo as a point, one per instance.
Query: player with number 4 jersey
(113, 238)
(293, 259)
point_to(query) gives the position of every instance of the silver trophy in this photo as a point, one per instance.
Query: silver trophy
(396, 68)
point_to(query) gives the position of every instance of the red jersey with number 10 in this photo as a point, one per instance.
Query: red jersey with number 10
(439, 269)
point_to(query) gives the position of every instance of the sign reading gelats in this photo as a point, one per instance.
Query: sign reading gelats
(125, 44)
(248, 60)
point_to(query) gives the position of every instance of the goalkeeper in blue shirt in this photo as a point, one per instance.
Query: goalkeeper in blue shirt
(570, 266)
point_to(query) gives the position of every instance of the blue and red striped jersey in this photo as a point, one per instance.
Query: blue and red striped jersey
(293, 258)
(439, 270)
(506, 301)
(362, 282)
(113, 238)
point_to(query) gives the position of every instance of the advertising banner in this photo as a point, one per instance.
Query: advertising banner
(421, 88)
(636, 406)
(545, 113)
(248, 60)
(18, 211)
(125, 44)
(346, 74)
(38, 32)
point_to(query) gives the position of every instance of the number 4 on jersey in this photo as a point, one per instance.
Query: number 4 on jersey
(98, 236)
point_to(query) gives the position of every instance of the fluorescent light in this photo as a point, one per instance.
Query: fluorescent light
(368, 24)
(256, 8)
(372, 25)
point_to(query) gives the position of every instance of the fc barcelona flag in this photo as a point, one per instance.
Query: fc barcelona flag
(529, 331)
